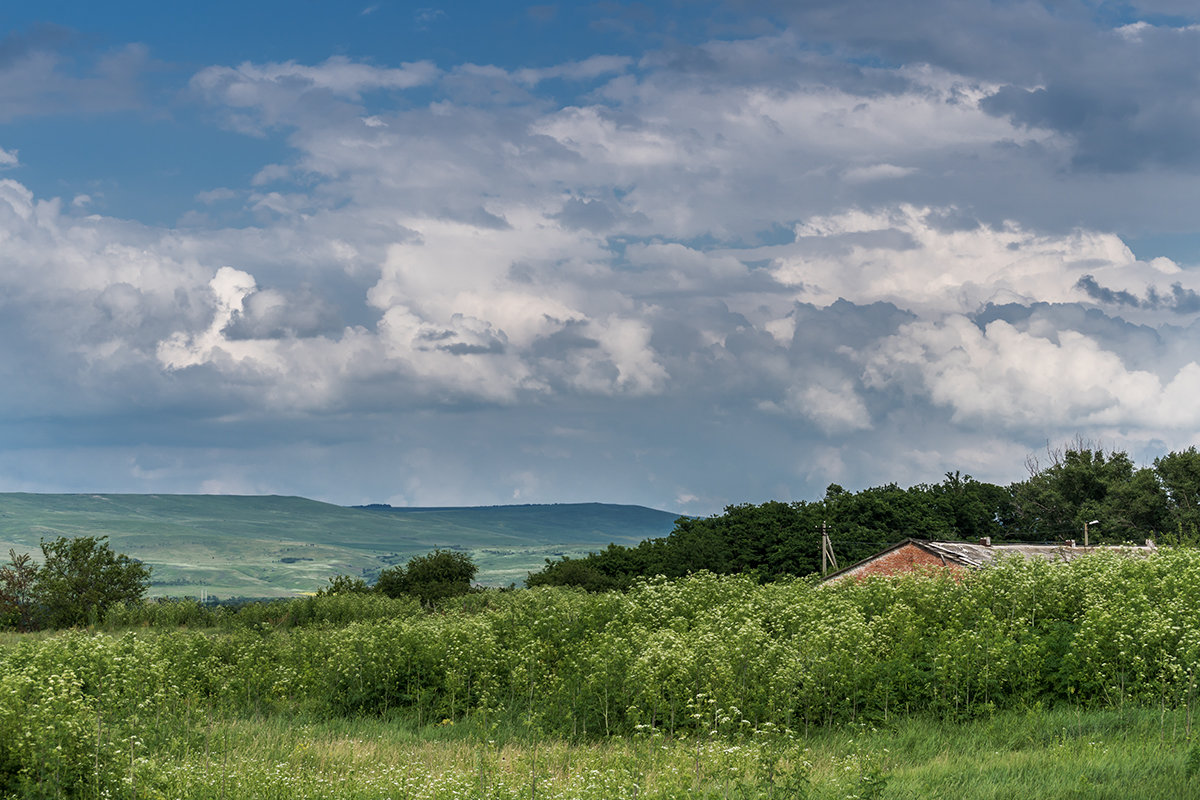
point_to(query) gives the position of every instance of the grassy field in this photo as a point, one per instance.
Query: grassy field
(1027, 680)
(1051, 755)
(278, 546)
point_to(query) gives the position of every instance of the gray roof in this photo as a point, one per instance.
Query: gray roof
(974, 555)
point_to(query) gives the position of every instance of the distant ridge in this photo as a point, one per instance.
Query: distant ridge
(271, 545)
(388, 507)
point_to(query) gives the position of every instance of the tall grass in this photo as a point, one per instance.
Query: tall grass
(1065, 753)
(1102, 631)
(697, 680)
(324, 610)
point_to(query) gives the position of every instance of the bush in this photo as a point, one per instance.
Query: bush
(344, 584)
(430, 578)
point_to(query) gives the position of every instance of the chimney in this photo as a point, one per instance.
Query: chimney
(986, 541)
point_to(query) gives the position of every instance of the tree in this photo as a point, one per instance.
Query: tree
(344, 584)
(17, 579)
(391, 581)
(1084, 482)
(431, 577)
(1180, 477)
(971, 508)
(81, 578)
(573, 572)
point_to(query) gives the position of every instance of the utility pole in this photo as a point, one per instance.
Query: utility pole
(824, 554)
(1085, 530)
(827, 555)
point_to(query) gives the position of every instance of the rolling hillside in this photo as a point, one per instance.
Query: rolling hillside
(272, 546)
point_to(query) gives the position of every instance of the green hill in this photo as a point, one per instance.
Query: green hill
(270, 546)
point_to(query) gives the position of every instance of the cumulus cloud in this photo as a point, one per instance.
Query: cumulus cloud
(840, 268)
(997, 373)
(230, 287)
(279, 314)
(910, 256)
(835, 408)
(1109, 89)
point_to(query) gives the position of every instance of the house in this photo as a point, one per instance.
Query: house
(913, 554)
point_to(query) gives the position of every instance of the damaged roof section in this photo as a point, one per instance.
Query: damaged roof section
(913, 554)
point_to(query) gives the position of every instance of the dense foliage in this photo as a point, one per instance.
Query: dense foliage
(672, 656)
(772, 540)
(78, 581)
(716, 678)
(17, 584)
(430, 578)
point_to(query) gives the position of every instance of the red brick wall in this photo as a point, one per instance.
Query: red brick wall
(905, 558)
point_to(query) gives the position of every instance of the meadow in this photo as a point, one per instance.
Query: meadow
(1030, 679)
(1134, 753)
(269, 546)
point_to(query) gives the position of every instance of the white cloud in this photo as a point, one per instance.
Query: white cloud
(681, 268)
(501, 266)
(244, 85)
(999, 374)
(216, 195)
(1135, 32)
(230, 287)
(911, 256)
(484, 291)
(599, 140)
(835, 409)
(271, 173)
(259, 96)
(587, 69)
(877, 172)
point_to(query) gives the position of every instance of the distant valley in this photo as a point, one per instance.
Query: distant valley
(269, 546)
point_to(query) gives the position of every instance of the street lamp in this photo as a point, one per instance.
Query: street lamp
(1085, 530)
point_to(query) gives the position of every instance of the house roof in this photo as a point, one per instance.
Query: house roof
(977, 555)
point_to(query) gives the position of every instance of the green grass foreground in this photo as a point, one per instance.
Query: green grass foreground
(1063, 753)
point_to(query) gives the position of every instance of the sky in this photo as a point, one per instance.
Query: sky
(680, 254)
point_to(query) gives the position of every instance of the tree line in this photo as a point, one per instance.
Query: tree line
(1069, 488)
(82, 582)
(81, 579)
